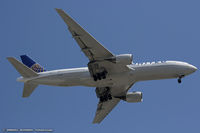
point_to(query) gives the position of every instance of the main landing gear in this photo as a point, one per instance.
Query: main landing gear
(179, 79)
(105, 98)
(99, 76)
(103, 93)
(97, 71)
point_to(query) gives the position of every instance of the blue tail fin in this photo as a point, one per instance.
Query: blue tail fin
(32, 64)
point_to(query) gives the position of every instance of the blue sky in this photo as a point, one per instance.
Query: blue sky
(150, 30)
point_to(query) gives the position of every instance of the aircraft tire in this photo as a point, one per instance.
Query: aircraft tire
(103, 75)
(109, 97)
(101, 99)
(99, 76)
(95, 78)
(179, 80)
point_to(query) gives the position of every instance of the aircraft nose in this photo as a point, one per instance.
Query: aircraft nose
(192, 68)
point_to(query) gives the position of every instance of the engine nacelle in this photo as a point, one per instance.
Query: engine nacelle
(125, 59)
(133, 97)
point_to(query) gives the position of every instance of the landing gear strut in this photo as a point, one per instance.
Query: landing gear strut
(179, 79)
(100, 76)
(97, 71)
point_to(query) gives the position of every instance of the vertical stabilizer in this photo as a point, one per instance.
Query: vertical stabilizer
(32, 64)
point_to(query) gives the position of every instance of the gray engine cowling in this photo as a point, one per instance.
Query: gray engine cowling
(125, 59)
(133, 97)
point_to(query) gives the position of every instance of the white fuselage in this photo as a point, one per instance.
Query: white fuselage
(136, 72)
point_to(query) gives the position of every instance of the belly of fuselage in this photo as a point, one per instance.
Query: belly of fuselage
(156, 72)
(79, 79)
(71, 79)
(65, 79)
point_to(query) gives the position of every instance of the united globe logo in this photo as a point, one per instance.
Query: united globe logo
(37, 68)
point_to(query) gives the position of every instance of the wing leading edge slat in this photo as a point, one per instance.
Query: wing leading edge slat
(90, 46)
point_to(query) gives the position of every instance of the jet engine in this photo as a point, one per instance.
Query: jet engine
(133, 97)
(125, 59)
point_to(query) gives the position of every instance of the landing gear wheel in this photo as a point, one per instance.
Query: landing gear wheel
(95, 78)
(106, 98)
(104, 94)
(103, 75)
(101, 99)
(99, 76)
(179, 80)
(109, 97)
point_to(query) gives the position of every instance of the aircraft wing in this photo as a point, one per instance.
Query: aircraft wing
(104, 108)
(91, 47)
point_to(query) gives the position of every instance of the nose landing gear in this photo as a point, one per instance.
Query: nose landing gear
(179, 79)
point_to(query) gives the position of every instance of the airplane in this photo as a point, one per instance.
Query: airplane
(112, 75)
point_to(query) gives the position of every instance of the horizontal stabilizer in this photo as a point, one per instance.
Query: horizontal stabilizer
(28, 89)
(21, 68)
